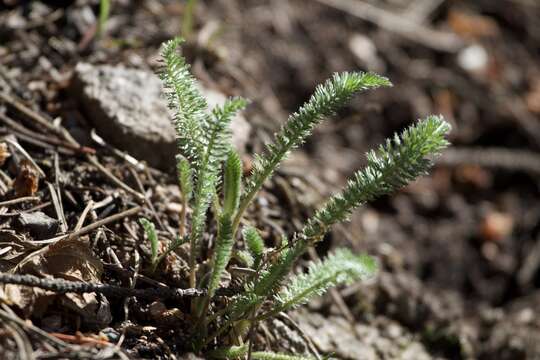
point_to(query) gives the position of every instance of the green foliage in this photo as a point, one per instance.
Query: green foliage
(150, 230)
(104, 11)
(231, 352)
(235, 352)
(204, 141)
(342, 267)
(217, 138)
(265, 285)
(156, 258)
(185, 177)
(185, 100)
(222, 253)
(187, 18)
(267, 355)
(327, 99)
(245, 258)
(255, 244)
(401, 160)
(396, 163)
(232, 183)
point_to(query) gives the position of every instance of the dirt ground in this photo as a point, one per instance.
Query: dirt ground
(459, 249)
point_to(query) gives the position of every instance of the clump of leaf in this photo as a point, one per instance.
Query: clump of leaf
(151, 234)
(208, 161)
(104, 10)
(235, 352)
(150, 230)
(203, 138)
(342, 267)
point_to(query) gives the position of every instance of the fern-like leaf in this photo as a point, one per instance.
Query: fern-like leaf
(150, 230)
(216, 144)
(185, 177)
(327, 98)
(396, 163)
(254, 243)
(342, 267)
(185, 100)
(267, 283)
(231, 352)
(270, 281)
(267, 355)
(245, 258)
(232, 182)
(234, 352)
(222, 253)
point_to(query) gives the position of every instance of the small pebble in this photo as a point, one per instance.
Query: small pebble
(38, 224)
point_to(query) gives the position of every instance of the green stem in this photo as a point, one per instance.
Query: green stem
(255, 189)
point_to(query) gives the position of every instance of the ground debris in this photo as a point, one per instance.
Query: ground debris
(38, 224)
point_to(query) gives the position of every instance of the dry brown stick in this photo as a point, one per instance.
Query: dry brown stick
(38, 143)
(12, 141)
(19, 200)
(502, 158)
(147, 200)
(43, 138)
(62, 132)
(32, 115)
(399, 25)
(58, 207)
(83, 216)
(32, 209)
(81, 352)
(7, 314)
(421, 10)
(75, 234)
(61, 286)
(94, 161)
(85, 230)
(21, 340)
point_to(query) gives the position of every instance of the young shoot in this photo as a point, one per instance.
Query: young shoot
(210, 172)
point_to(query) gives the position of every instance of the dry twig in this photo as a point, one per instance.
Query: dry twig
(400, 25)
(62, 286)
(493, 157)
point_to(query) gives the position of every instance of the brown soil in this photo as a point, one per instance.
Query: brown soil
(459, 249)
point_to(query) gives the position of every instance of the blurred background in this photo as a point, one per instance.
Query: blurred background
(459, 249)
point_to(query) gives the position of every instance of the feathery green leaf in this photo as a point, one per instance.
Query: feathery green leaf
(185, 177)
(342, 267)
(270, 280)
(244, 257)
(267, 355)
(222, 253)
(217, 137)
(234, 352)
(392, 166)
(232, 182)
(185, 100)
(254, 242)
(327, 99)
(150, 230)
(231, 352)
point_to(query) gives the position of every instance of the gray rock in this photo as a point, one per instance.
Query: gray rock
(128, 110)
(38, 224)
(383, 339)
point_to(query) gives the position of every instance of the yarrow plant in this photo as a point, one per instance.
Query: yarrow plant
(207, 162)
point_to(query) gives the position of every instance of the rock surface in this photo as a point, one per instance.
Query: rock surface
(333, 334)
(128, 110)
(38, 224)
